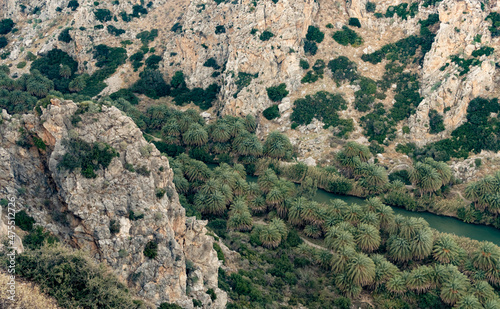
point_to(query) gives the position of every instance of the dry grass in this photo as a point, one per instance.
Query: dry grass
(28, 296)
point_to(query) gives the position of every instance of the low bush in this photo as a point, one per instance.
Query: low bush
(277, 93)
(347, 36)
(6, 25)
(64, 36)
(314, 34)
(24, 221)
(151, 249)
(343, 69)
(436, 124)
(310, 48)
(271, 112)
(266, 35)
(103, 15)
(353, 21)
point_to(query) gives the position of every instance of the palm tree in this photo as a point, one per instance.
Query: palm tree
(396, 284)
(220, 148)
(253, 190)
(472, 192)
(240, 186)
(410, 226)
(384, 270)
(425, 177)
(487, 256)
(212, 203)
(171, 128)
(277, 146)
(370, 218)
(196, 170)
(65, 71)
(493, 201)
(220, 132)
(195, 135)
(250, 123)
(422, 244)
(374, 203)
(347, 163)
(310, 213)
(295, 211)
(340, 259)
(241, 221)
(361, 270)
(313, 231)
(267, 180)
(399, 249)
(419, 279)
(492, 304)
(349, 289)
(270, 236)
(442, 168)
(367, 237)
(280, 226)
(258, 204)
(337, 239)
(373, 177)
(353, 149)
(445, 250)
(386, 217)
(248, 144)
(468, 302)
(353, 213)
(181, 183)
(453, 290)
(483, 291)
(239, 205)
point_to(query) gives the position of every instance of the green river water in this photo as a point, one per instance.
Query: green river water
(440, 223)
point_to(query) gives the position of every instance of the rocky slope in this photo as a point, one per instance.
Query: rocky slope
(229, 32)
(81, 211)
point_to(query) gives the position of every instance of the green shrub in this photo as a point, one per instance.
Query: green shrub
(477, 162)
(402, 10)
(151, 84)
(21, 64)
(88, 157)
(314, 34)
(493, 17)
(485, 50)
(153, 61)
(401, 175)
(220, 29)
(24, 221)
(73, 278)
(353, 21)
(115, 31)
(407, 148)
(126, 94)
(266, 35)
(277, 93)
(151, 249)
(343, 69)
(347, 36)
(37, 238)
(310, 48)
(370, 7)
(3, 42)
(114, 226)
(243, 80)
(220, 254)
(6, 25)
(435, 122)
(271, 112)
(177, 28)
(211, 63)
(304, 64)
(73, 4)
(103, 15)
(322, 105)
(64, 36)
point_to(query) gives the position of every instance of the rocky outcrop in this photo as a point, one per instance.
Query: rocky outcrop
(462, 22)
(81, 211)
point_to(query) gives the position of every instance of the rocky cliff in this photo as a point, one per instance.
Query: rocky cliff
(114, 215)
(192, 32)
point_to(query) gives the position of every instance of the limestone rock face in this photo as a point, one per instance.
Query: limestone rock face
(461, 23)
(81, 210)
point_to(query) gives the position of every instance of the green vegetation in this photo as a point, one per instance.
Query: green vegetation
(354, 22)
(478, 133)
(271, 112)
(243, 80)
(73, 279)
(220, 29)
(151, 249)
(370, 7)
(266, 35)
(115, 31)
(347, 36)
(3, 42)
(493, 17)
(6, 25)
(402, 10)
(24, 221)
(211, 63)
(277, 93)
(304, 64)
(88, 157)
(323, 106)
(310, 48)
(343, 69)
(436, 124)
(314, 34)
(103, 15)
(64, 36)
